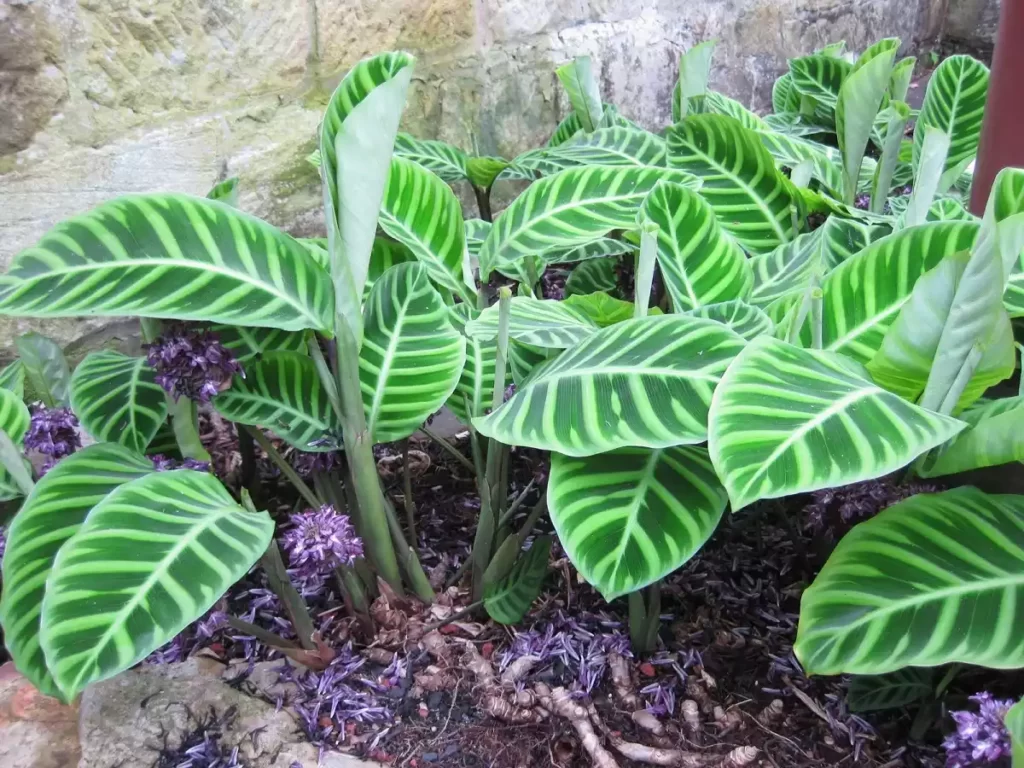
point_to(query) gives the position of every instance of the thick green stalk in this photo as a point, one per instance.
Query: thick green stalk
(359, 451)
(882, 181)
(407, 557)
(645, 617)
(294, 605)
(185, 423)
(645, 268)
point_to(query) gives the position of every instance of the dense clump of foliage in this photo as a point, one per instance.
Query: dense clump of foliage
(808, 305)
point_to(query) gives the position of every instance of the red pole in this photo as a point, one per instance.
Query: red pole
(1002, 143)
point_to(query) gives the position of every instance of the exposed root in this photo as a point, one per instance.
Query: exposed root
(727, 720)
(437, 646)
(518, 669)
(622, 682)
(495, 705)
(691, 721)
(560, 703)
(771, 714)
(479, 666)
(433, 679)
(739, 758)
(696, 691)
(379, 655)
(648, 722)
(641, 753)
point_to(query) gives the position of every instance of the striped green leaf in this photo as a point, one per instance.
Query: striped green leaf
(386, 254)
(14, 420)
(357, 138)
(601, 275)
(955, 104)
(170, 256)
(719, 104)
(793, 124)
(476, 382)
(752, 199)
(934, 579)
(225, 191)
(837, 49)
(282, 392)
(746, 320)
(607, 146)
(12, 378)
(476, 232)
(605, 310)
(700, 264)
(152, 557)
(819, 77)
(412, 356)
(694, 71)
(787, 420)
(870, 693)
(1014, 721)
(862, 94)
(654, 375)
(580, 84)
(439, 157)
(508, 600)
(571, 208)
(992, 438)
(525, 360)
(421, 212)
(248, 343)
(948, 209)
(164, 443)
(629, 517)
(899, 81)
(787, 269)
(864, 294)
(843, 238)
(117, 399)
(785, 97)
(46, 369)
(569, 126)
(540, 322)
(596, 249)
(482, 171)
(51, 515)
(790, 151)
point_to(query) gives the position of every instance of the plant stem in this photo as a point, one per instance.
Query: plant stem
(359, 451)
(407, 557)
(817, 319)
(645, 268)
(890, 157)
(645, 617)
(185, 423)
(454, 617)
(294, 605)
(324, 371)
(531, 275)
(247, 450)
(451, 449)
(269, 638)
(517, 502)
(483, 202)
(410, 508)
(286, 469)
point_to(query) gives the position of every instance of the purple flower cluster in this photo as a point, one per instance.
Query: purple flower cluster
(981, 739)
(317, 542)
(191, 364)
(308, 463)
(327, 701)
(162, 463)
(53, 432)
(581, 645)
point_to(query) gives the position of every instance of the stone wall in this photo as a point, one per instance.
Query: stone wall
(973, 22)
(100, 98)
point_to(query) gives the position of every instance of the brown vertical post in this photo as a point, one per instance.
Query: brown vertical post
(1002, 133)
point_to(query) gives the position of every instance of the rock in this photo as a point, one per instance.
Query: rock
(114, 98)
(973, 22)
(36, 731)
(125, 720)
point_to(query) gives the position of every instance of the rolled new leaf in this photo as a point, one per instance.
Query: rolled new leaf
(655, 375)
(117, 399)
(50, 516)
(932, 580)
(694, 71)
(787, 420)
(412, 356)
(357, 137)
(170, 256)
(581, 86)
(629, 517)
(150, 558)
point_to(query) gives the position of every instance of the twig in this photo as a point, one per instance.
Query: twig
(451, 449)
(275, 641)
(286, 469)
(410, 508)
(517, 502)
